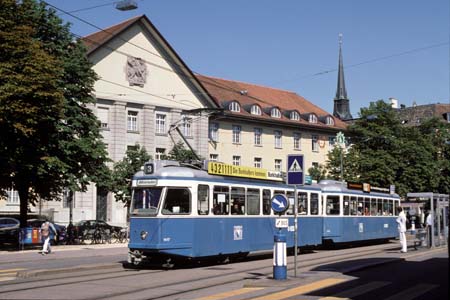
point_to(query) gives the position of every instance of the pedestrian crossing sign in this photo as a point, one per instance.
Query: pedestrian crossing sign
(295, 167)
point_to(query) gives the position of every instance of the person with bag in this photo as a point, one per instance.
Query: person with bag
(45, 235)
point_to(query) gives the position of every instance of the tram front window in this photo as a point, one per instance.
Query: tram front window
(146, 200)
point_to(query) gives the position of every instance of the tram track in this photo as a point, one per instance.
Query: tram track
(206, 276)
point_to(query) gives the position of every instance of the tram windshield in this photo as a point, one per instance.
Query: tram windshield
(146, 200)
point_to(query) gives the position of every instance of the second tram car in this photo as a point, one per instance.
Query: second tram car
(183, 212)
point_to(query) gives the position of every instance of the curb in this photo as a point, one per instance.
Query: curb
(35, 273)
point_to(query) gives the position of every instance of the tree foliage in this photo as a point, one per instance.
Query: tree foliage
(50, 138)
(180, 153)
(385, 152)
(124, 170)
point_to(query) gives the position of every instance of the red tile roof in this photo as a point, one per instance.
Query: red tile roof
(247, 94)
(96, 39)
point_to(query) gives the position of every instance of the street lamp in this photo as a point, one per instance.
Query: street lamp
(125, 5)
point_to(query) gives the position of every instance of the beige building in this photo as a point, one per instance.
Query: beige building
(260, 126)
(147, 95)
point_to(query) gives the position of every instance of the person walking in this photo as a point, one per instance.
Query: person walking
(46, 227)
(429, 228)
(401, 221)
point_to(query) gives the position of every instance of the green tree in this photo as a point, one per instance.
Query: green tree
(50, 138)
(124, 170)
(318, 173)
(180, 153)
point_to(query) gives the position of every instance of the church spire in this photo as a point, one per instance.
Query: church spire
(341, 102)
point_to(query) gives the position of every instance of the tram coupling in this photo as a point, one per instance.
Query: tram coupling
(136, 257)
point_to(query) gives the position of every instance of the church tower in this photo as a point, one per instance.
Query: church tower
(341, 102)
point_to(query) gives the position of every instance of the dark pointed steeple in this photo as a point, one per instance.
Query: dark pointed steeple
(341, 102)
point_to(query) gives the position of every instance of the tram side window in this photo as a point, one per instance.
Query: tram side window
(346, 205)
(360, 206)
(391, 207)
(396, 205)
(203, 199)
(373, 207)
(291, 198)
(178, 201)
(253, 201)
(380, 207)
(267, 199)
(367, 206)
(302, 203)
(237, 200)
(221, 200)
(314, 203)
(333, 207)
(385, 207)
(353, 206)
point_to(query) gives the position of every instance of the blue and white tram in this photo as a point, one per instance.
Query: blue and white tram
(182, 212)
(352, 215)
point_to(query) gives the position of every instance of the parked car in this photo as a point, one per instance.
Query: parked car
(9, 230)
(60, 230)
(90, 225)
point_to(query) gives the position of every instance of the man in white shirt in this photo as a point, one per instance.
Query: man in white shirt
(429, 227)
(401, 221)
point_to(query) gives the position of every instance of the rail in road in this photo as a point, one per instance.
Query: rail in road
(244, 280)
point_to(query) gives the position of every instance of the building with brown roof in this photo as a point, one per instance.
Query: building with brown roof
(260, 126)
(145, 91)
(416, 114)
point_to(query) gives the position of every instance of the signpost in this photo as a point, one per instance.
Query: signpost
(295, 175)
(279, 205)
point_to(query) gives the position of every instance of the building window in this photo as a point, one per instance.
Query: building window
(278, 165)
(103, 116)
(294, 116)
(236, 134)
(132, 147)
(278, 136)
(160, 153)
(330, 121)
(68, 198)
(315, 143)
(214, 157)
(257, 162)
(13, 196)
(160, 123)
(312, 118)
(214, 132)
(296, 138)
(258, 136)
(331, 141)
(255, 110)
(186, 128)
(236, 160)
(275, 113)
(132, 121)
(234, 106)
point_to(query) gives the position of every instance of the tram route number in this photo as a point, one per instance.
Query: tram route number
(281, 223)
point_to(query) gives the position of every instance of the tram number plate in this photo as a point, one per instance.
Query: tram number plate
(281, 223)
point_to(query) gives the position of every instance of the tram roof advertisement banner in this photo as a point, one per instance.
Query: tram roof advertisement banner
(217, 168)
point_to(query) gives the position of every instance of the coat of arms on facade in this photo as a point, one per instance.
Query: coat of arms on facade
(136, 70)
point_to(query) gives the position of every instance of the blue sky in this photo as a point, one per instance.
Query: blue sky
(293, 44)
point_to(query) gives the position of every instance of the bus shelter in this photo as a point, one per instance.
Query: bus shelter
(436, 205)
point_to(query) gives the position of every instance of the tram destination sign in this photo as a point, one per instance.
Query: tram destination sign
(217, 168)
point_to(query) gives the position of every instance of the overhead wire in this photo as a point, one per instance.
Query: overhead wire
(222, 86)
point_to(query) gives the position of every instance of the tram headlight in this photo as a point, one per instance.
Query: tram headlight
(144, 235)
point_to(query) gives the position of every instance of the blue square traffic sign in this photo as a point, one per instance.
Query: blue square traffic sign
(295, 172)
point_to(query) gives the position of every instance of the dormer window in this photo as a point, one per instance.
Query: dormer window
(312, 118)
(329, 121)
(275, 113)
(294, 116)
(234, 106)
(255, 110)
